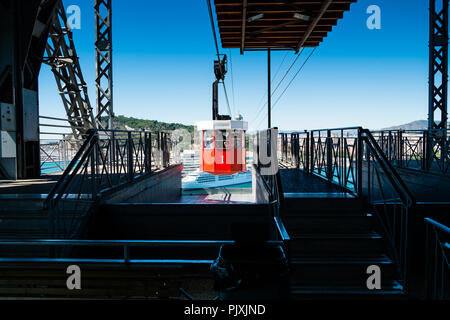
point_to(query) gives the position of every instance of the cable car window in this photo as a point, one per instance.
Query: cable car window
(209, 140)
(236, 139)
(222, 140)
(200, 139)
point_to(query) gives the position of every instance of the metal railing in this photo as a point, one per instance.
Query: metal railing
(125, 247)
(107, 160)
(437, 261)
(390, 200)
(57, 145)
(416, 149)
(294, 149)
(332, 154)
(271, 179)
(352, 159)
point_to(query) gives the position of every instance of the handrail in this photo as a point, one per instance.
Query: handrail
(265, 183)
(438, 225)
(69, 168)
(393, 176)
(273, 186)
(119, 243)
(437, 260)
(125, 244)
(282, 229)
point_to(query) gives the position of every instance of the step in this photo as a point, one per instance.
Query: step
(325, 205)
(175, 253)
(389, 291)
(326, 271)
(336, 245)
(178, 221)
(300, 224)
(105, 281)
(19, 202)
(184, 209)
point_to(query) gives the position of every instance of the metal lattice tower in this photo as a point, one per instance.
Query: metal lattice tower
(61, 55)
(438, 95)
(103, 55)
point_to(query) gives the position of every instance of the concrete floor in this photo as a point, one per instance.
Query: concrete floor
(228, 198)
(296, 181)
(42, 185)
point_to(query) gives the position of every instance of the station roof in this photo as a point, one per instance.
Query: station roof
(280, 25)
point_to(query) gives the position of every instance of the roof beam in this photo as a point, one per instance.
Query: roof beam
(275, 27)
(316, 20)
(244, 21)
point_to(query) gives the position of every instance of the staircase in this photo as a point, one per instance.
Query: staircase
(23, 217)
(333, 241)
(110, 281)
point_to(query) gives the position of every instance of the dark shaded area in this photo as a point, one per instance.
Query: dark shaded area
(297, 181)
(42, 185)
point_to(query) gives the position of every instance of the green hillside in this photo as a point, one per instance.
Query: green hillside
(123, 122)
(415, 125)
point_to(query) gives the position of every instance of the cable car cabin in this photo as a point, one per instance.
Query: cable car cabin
(222, 144)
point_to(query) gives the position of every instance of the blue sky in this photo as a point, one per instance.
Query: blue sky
(163, 68)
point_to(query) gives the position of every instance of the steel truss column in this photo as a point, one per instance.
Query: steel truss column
(62, 57)
(269, 91)
(103, 55)
(438, 73)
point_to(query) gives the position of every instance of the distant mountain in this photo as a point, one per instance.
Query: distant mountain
(415, 125)
(129, 123)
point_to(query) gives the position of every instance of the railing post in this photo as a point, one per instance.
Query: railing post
(159, 150)
(311, 164)
(329, 156)
(400, 150)
(359, 164)
(126, 254)
(64, 152)
(148, 152)
(130, 157)
(428, 259)
(94, 159)
(307, 153)
(113, 153)
(428, 150)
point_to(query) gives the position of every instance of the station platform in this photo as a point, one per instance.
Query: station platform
(41, 185)
(296, 181)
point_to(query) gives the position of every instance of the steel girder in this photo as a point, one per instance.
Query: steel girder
(103, 55)
(438, 73)
(64, 61)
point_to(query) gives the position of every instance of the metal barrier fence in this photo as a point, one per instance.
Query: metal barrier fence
(331, 154)
(57, 145)
(416, 149)
(107, 160)
(437, 261)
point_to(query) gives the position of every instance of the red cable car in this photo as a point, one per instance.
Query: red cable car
(222, 140)
(222, 143)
